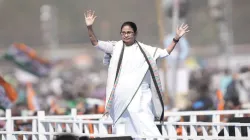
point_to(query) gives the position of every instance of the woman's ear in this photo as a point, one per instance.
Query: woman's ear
(136, 33)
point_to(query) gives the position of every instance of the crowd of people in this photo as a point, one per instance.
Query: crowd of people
(218, 89)
(209, 89)
(70, 86)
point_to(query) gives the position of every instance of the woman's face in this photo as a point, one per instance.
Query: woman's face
(128, 35)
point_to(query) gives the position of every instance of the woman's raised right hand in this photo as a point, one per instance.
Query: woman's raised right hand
(89, 17)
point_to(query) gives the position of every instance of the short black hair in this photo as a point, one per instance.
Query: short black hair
(131, 24)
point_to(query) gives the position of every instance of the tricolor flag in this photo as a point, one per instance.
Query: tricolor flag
(32, 99)
(27, 59)
(8, 94)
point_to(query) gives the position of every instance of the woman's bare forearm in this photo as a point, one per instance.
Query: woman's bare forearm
(171, 47)
(92, 36)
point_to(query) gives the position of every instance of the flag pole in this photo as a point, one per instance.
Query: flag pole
(161, 31)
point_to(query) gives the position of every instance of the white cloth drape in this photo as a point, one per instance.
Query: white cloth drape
(132, 102)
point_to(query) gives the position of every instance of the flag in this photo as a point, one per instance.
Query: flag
(27, 59)
(31, 98)
(8, 94)
(5, 103)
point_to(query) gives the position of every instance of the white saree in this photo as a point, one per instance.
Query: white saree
(132, 100)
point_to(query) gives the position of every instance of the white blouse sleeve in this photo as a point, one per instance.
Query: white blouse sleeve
(106, 46)
(160, 53)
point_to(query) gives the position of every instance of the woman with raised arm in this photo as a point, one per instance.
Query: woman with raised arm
(134, 91)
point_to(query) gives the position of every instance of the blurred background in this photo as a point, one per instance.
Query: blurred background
(46, 55)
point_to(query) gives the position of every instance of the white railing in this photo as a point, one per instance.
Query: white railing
(46, 127)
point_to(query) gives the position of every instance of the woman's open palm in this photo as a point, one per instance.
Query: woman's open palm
(89, 17)
(183, 29)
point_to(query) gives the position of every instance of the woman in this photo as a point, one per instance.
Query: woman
(130, 96)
